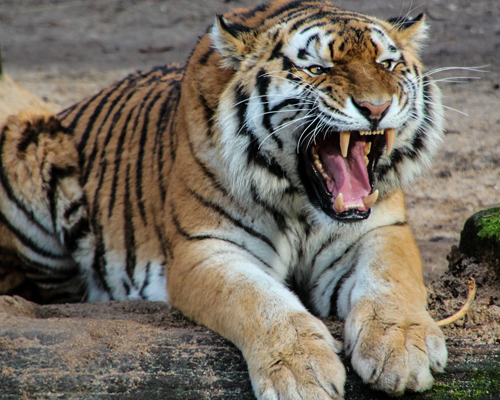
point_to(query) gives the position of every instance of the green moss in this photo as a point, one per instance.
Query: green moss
(489, 224)
(480, 382)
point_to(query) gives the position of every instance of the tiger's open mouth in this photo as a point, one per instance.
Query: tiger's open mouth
(337, 171)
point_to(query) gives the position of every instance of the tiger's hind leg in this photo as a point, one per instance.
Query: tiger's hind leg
(44, 226)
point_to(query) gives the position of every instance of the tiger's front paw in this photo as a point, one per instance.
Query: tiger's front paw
(299, 362)
(394, 352)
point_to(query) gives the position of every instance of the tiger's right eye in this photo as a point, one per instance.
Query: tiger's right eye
(316, 70)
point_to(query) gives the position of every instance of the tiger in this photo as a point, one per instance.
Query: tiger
(256, 189)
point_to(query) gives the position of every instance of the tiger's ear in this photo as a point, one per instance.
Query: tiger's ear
(232, 40)
(411, 32)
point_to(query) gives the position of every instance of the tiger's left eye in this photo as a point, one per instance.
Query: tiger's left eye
(316, 69)
(388, 65)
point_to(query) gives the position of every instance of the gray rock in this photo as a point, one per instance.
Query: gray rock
(480, 237)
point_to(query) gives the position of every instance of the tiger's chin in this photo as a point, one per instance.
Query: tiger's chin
(337, 171)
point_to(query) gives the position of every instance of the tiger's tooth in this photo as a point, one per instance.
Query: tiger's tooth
(345, 137)
(390, 136)
(319, 165)
(370, 200)
(367, 161)
(367, 149)
(338, 204)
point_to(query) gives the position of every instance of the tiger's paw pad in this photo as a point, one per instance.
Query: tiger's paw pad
(305, 368)
(394, 357)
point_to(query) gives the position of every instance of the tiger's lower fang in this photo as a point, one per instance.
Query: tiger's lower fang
(370, 200)
(338, 204)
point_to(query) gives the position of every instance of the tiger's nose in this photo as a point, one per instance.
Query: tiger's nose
(373, 111)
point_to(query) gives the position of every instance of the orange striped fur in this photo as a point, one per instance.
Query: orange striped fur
(254, 189)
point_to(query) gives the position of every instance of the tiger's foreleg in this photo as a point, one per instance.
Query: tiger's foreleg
(43, 212)
(290, 353)
(393, 342)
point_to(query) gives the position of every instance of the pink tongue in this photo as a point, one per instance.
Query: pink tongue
(349, 175)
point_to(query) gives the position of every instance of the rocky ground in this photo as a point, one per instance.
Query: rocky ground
(63, 51)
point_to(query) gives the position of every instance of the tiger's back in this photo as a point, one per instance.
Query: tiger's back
(125, 172)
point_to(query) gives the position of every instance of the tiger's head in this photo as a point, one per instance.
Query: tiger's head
(324, 101)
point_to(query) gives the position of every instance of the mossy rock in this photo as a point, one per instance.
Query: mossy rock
(480, 237)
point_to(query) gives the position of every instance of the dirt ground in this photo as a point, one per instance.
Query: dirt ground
(65, 50)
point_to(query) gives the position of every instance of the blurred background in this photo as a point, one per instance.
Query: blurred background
(43, 41)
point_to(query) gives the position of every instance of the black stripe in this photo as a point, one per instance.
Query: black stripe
(302, 289)
(118, 159)
(4, 180)
(100, 265)
(241, 104)
(121, 141)
(208, 113)
(29, 135)
(123, 85)
(286, 103)
(116, 116)
(57, 174)
(335, 295)
(126, 286)
(190, 237)
(291, 8)
(166, 246)
(299, 23)
(263, 82)
(64, 272)
(173, 138)
(41, 126)
(145, 282)
(324, 246)
(251, 13)
(28, 242)
(278, 217)
(140, 157)
(206, 171)
(255, 156)
(80, 111)
(311, 38)
(129, 229)
(276, 53)
(66, 112)
(75, 233)
(164, 118)
(204, 58)
(73, 207)
(302, 54)
(287, 66)
(92, 119)
(217, 208)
